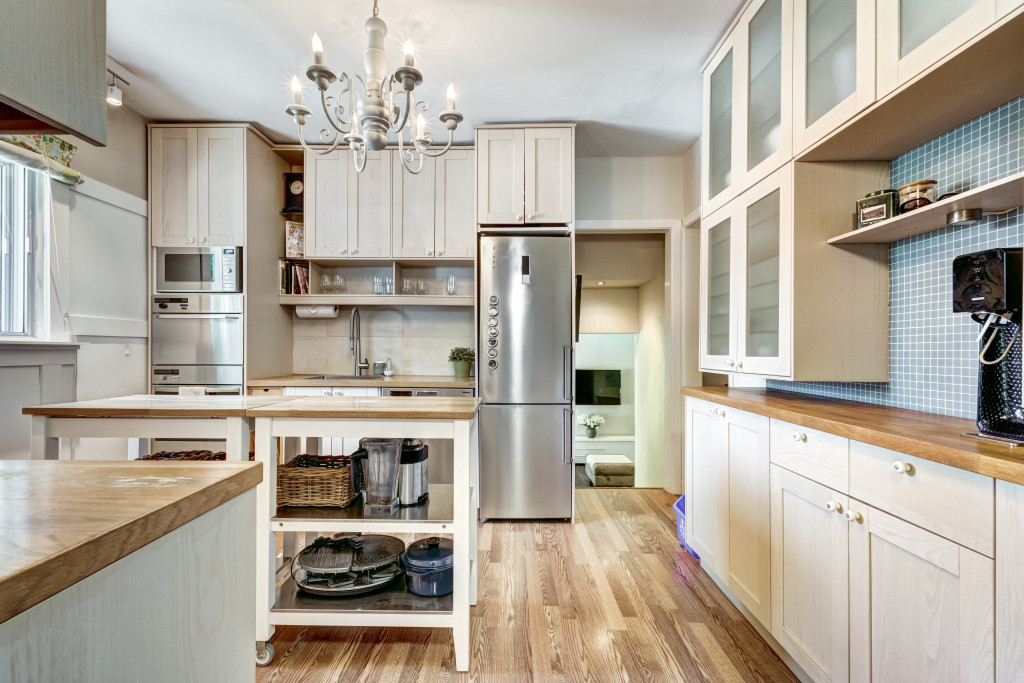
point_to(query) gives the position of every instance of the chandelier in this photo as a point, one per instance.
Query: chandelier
(377, 104)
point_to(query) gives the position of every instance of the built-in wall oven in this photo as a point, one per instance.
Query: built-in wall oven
(198, 343)
(198, 269)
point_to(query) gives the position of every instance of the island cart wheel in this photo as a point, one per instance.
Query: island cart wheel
(264, 654)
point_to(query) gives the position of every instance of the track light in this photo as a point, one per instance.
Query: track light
(114, 95)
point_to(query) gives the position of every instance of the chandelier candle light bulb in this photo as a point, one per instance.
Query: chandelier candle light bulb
(318, 50)
(296, 90)
(409, 53)
(451, 97)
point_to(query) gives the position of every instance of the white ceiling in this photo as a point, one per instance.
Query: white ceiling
(629, 72)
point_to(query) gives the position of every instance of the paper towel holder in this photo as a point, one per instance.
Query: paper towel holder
(316, 311)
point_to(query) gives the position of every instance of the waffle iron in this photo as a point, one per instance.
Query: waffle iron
(348, 564)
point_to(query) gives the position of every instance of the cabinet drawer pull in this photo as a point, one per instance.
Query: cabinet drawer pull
(800, 436)
(900, 467)
(834, 506)
(854, 516)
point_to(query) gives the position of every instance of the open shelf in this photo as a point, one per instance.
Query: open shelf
(374, 300)
(996, 196)
(975, 79)
(293, 607)
(433, 517)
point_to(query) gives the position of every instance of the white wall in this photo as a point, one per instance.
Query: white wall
(610, 352)
(651, 374)
(609, 310)
(633, 188)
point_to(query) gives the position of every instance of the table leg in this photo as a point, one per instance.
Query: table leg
(461, 545)
(266, 547)
(44, 446)
(237, 447)
(474, 507)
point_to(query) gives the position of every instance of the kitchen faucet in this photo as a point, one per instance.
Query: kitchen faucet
(353, 343)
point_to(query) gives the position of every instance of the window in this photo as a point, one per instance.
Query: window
(22, 219)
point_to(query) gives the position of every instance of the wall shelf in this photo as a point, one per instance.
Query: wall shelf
(374, 300)
(997, 196)
(973, 80)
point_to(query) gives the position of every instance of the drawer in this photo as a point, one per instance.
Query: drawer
(950, 502)
(822, 457)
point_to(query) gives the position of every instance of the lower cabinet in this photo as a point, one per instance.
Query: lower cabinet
(810, 574)
(727, 492)
(921, 607)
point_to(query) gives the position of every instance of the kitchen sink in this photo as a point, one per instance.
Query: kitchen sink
(341, 377)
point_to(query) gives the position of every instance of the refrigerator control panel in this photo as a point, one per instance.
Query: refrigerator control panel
(492, 333)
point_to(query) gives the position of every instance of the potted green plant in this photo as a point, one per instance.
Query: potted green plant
(591, 422)
(461, 357)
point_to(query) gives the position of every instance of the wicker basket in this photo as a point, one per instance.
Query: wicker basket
(316, 481)
(189, 455)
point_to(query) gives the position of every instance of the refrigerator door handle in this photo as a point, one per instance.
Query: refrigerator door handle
(567, 436)
(566, 369)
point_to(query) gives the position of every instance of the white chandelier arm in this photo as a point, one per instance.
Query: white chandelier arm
(406, 154)
(359, 158)
(410, 108)
(330, 148)
(451, 138)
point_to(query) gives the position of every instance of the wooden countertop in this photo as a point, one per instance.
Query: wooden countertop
(157, 406)
(425, 381)
(64, 520)
(367, 407)
(925, 435)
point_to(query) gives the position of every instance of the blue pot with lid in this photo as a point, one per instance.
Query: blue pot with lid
(428, 566)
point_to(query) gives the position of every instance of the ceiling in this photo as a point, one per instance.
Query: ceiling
(628, 72)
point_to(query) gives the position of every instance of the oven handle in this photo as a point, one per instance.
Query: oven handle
(223, 390)
(196, 316)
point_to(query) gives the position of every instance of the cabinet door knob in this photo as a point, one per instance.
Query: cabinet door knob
(439, 253)
(337, 392)
(327, 392)
(190, 240)
(201, 240)
(341, 252)
(739, 364)
(530, 217)
(730, 363)
(854, 516)
(900, 467)
(429, 253)
(800, 436)
(519, 216)
(352, 252)
(834, 506)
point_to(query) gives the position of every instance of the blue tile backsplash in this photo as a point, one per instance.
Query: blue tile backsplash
(933, 362)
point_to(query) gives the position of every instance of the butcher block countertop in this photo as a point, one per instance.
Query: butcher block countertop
(925, 435)
(157, 406)
(373, 407)
(65, 520)
(425, 381)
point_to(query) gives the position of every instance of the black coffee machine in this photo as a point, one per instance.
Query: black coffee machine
(988, 285)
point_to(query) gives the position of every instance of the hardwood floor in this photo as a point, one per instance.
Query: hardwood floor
(581, 478)
(610, 598)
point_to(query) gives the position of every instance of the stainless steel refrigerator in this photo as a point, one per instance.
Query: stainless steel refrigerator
(525, 377)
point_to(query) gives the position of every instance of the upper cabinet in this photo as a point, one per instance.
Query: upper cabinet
(913, 35)
(833, 65)
(387, 212)
(197, 186)
(748, 102)
(525, 176)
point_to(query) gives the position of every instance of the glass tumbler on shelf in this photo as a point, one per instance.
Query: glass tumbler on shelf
(406, 287)
(421, 287)
(339, 284)
(381, 474)
(450, 287)
(325, 284)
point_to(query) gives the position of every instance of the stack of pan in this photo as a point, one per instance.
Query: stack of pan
(348, 564)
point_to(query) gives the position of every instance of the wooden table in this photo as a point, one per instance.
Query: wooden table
(144, 416)
(126, 570)
(451, 510)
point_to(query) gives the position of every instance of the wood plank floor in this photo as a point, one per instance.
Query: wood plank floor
(610, 598)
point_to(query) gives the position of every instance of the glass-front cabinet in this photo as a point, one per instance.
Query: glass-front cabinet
(748, 99)
(915, 34)
(834, 65)
(746, 282)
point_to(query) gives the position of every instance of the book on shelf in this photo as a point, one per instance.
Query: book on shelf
(294, 276)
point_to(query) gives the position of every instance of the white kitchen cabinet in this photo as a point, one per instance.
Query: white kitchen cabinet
(834, 65)
(369, 208)
(197, 186)
(720, 152)
(525, 176)
(913, 35)
(413, 219)
(454, 227)
(325, 215)
(921, 606)
(810, 574)
(727, 500)
(746, 284)
(1009, 510)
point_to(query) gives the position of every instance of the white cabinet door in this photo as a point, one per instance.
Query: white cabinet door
(707, 485)
(500, 177)
(454, 227)
(717, 292)
(221, 186)
(549, 182)
(369, 208)
(921, 607)
(762, 260)
(412, 211)
(173, 203)
(913, 35)
(763, 114)
(326, 199)
(721, 158)
(833, 65)
(1009, 587)
(810, 591)
(749, 533)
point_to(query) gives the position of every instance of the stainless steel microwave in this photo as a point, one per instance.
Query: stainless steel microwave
(198, 269)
